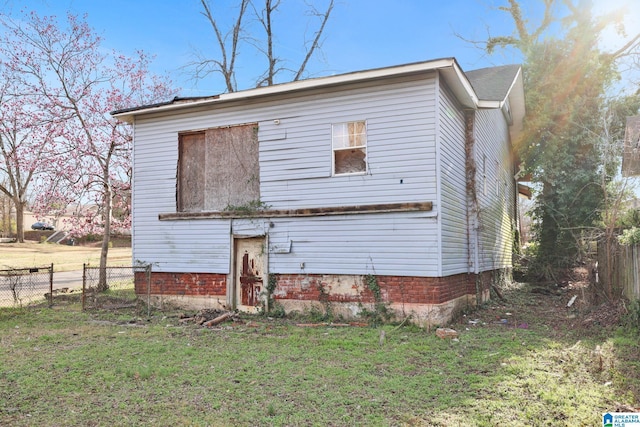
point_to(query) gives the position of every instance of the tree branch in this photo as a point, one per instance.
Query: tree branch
(316, 40)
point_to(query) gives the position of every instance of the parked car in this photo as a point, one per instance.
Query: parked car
(42, 226)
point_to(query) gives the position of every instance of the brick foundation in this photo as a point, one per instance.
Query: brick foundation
(183, 284)
(417, 290)
(431, 300)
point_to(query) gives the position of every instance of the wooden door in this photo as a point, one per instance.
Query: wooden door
(249, 271)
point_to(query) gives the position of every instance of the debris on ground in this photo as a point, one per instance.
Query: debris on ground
(318, 325)
(58, 292)
(607, 314)
(209, 317)
(446, 333)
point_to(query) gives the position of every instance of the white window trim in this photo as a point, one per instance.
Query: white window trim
(333, 150)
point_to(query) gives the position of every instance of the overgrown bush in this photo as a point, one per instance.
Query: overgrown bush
(632, 318)
(270, 307)
(630, 236)
(381, 313)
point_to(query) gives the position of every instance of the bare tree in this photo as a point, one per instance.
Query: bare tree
(228, 44)
(230, 41)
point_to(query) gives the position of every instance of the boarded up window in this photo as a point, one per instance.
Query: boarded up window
(218, 168)
(349, 142)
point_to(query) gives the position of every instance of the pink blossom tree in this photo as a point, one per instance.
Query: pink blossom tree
(79, 84)
(26, 134)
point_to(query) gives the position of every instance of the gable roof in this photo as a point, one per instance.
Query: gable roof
(484, 88)
(493, 83)
(501, 87)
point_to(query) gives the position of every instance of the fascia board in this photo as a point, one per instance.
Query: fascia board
(457, 77)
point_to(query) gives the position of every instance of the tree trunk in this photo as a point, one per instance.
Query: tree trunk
(108, 202)
(7, 223)
(19, 220)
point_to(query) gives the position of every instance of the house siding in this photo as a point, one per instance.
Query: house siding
(295, 172)
(454, 227)
(496, 218)
(402, 244)
(430, 264)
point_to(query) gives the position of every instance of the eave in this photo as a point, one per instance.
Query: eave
(448, 67)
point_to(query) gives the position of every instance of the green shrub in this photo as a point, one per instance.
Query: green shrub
(630, 236)
(632, 318)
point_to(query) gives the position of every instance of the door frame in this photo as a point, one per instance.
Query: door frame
(232, 280)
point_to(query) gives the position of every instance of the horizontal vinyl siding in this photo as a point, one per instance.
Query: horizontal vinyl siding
(496, 220)
(386, 244)
(455, 255)
(295, 172)
(183, 246)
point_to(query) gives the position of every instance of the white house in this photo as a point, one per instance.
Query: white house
(397, 179)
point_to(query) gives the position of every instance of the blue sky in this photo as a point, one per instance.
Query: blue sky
(361, 34)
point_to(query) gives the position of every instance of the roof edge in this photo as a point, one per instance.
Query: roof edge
(466, 90)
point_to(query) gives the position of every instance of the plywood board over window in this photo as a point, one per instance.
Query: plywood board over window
(218, 168)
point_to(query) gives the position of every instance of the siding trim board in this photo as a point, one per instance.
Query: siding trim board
(439, 186)
(306, 212)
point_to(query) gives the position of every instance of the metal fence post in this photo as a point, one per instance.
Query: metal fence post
(51, 286)
(84, 281)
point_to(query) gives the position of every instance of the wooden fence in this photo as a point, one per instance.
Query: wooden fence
(619, 269)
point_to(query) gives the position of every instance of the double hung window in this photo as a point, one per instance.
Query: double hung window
(349, 144)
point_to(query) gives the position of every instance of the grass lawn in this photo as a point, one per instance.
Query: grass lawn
(64, 258)
(544, 366)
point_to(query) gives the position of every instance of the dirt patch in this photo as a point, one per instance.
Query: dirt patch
(569, 304)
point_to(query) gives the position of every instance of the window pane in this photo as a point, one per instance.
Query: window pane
(351, 134)
(340, 129)
(350, 161)
(340, 136)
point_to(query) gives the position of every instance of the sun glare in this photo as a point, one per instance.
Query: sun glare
(611, 39)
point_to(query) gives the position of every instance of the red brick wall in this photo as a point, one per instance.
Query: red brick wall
(312, 287)
(191, 284)
(397, 289)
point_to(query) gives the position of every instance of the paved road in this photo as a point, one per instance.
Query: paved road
(66, 279)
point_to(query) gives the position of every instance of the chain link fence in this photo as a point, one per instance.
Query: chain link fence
(112, 288)
(24, 286)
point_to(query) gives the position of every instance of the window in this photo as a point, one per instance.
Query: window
(349, 142)
(218, 168)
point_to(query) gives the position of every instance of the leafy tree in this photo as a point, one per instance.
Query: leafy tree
(566, 81)
(67, 71)
(239, 35)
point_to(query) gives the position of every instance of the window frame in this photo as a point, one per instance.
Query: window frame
(349, 135)
(217, 168)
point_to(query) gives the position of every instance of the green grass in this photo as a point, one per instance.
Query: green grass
(64, 258)
(63, 367)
